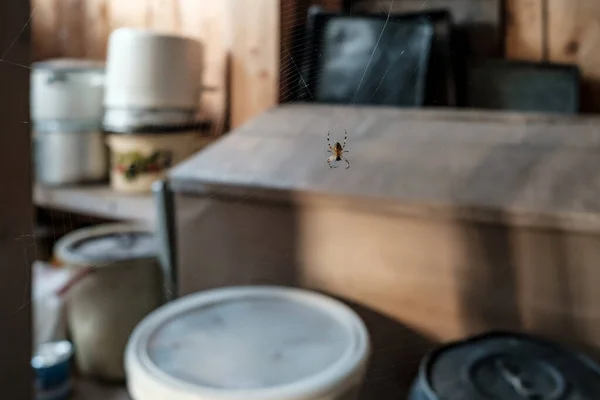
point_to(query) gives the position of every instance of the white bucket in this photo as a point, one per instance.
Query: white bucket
(147, 69)
(251, 343)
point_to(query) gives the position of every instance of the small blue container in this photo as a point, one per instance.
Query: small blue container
(52, 367)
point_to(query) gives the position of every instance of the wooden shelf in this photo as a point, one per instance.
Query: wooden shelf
(96, 200)
(89, 390)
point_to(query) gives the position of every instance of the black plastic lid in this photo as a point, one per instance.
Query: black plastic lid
(503, 366)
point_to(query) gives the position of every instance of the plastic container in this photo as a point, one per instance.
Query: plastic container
(146, 69)
(52, 369)
(67, 89)
(138, 159)
(504, 366)
(251, 343)
(118, 282)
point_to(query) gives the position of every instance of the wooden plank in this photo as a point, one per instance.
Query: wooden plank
(86, 389)
(17, 242)
(505, 169)
(255, 58)
(525, 30)
(428, 280)
(574, 39)
(99, 201)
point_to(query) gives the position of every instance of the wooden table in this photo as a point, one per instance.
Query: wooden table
(447, 223)
(531, 169)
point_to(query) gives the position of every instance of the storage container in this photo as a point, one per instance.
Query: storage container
(69, 152)
(506, 366)
(66, 110)
(252, 343)
(140, 158)
(119, 281)
(51, 364)
(146, 69)
(67, 89)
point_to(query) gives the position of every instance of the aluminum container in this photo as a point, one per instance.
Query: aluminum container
(67, 89)
(69, 152)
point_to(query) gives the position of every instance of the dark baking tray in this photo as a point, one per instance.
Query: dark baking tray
(339, 47)
(522, 86)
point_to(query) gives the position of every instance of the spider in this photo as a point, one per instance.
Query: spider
(338, 151)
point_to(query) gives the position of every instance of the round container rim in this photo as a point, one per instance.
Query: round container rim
(80, 65)
(60, 360)
(137, 31)
(423, 378)
(143, 376)
(62, 247)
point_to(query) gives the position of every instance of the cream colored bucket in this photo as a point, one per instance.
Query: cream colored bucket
(138, 159)
(117, 280)
(251, 343)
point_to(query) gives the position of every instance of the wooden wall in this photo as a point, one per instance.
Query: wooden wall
(249, 69)
(239, 52)
(17, 245)
(562, 31)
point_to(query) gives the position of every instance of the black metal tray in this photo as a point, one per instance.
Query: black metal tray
(354, 60)
(522, 86)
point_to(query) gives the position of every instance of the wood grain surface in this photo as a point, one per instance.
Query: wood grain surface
(524, 30)
(558, 31)
(528, 169)
(17, 240)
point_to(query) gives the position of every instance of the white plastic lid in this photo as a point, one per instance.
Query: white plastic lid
(255, 343)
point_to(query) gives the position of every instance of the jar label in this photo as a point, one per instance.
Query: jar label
(133, 164)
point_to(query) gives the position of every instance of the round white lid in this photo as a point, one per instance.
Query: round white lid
(255, 342)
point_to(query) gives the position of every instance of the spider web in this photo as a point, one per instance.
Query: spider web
(386, 366)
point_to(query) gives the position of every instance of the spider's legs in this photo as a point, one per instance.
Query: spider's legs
(347, 162)
(346, 151)
(328, 141)
(345, 138)
(330, 160)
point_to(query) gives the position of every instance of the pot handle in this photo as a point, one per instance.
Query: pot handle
(79, 275)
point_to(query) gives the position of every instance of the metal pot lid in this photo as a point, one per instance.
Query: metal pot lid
(104, 244)
(69, 65)
(503, 366)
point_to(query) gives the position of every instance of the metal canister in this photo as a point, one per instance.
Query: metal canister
(52, 367)
(506, 366)
(66, 111)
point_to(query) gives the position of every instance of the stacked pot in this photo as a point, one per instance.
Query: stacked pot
(66, 112)
(152, 94)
